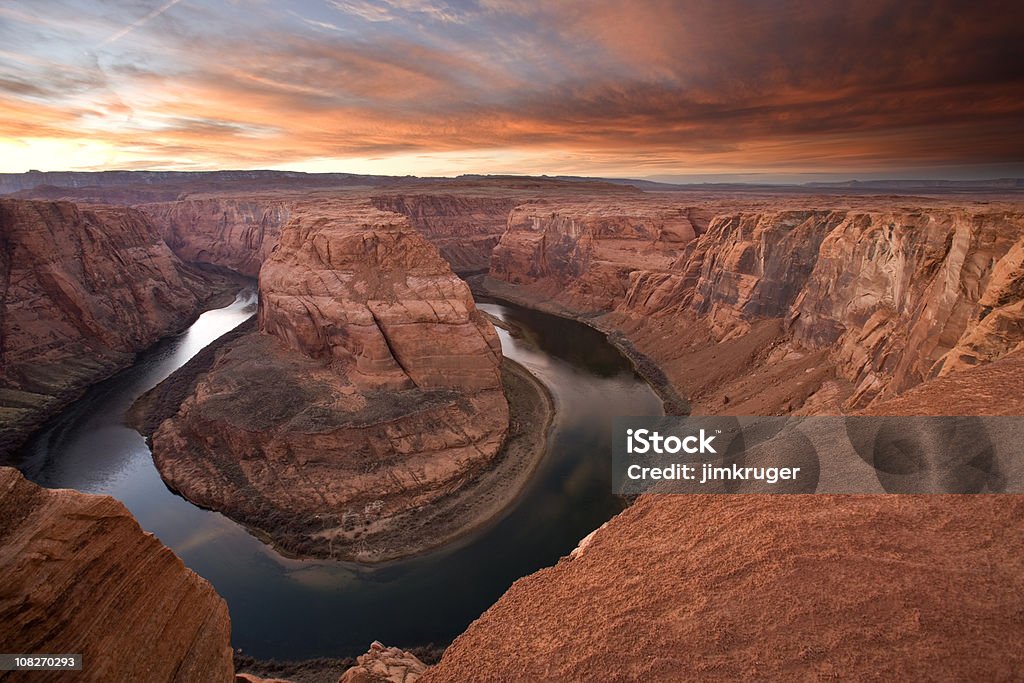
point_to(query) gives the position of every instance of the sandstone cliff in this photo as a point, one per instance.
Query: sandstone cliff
(80, 576)
(371, 390)
(234, 232)
(784, 308)
(81, 290)
(583, 251)
(464, 228)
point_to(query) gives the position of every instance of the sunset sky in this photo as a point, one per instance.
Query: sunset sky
(640, 88)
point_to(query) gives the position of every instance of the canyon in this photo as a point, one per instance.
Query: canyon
(753, 309)
(372, 389)
(82, 289)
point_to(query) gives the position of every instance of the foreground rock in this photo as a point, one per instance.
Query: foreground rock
(779, 587)
(371, 390)
(384, 665)
(80, 576)
(768, 588)
(82, 289)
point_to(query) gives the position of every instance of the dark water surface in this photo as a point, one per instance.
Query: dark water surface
(299, 609)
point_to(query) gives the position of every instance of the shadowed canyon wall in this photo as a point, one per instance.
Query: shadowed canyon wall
(582, 252)
(82, 289)
(234, 232)
(465, 229)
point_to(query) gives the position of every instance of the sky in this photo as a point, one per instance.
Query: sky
(672, 90)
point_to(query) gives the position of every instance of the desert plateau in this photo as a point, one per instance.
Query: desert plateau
(328, 332)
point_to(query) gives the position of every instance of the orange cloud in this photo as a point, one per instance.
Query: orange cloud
(640, 88)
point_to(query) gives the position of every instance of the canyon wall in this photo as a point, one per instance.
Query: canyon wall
(464, 228)
(234, 232)
(82, 289)
(582, 252)
(831, 309)
(80, 576)
(372, 389)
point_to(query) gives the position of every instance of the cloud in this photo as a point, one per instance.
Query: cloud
(140, 22)
(653, 85)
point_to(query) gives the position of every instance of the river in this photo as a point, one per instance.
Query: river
(299, 609)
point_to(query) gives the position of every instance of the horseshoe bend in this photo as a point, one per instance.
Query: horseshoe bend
(367, 413)
(371, 341)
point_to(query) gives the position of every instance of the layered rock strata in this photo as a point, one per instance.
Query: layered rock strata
(233, 232)
(371, 389)
(464, 228)
(82, 289)
(583, 251)
(785, 309)
(80, 576)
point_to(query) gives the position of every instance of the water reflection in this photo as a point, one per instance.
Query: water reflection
(295, 609)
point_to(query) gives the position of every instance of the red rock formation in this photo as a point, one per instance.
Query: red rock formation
(233, 232)
(767, 588)
(81, 290)
(584, 251)
(365, 292)
(790, 305)
(987, 389)
(372, 389)
(464, 228)
(894, 292)
(384, 665)
(80, 576)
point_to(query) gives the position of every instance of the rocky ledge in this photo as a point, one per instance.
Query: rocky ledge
(370, 395)
(777, 587)
(80, 576)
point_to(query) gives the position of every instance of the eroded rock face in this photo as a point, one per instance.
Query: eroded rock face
(80, 576)
(374, 300)
(81, 290)
(583, 252)
(866, 302)
(233, 232)
(893, 293)
(384, 665)
(372, 388)
(465, 229)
